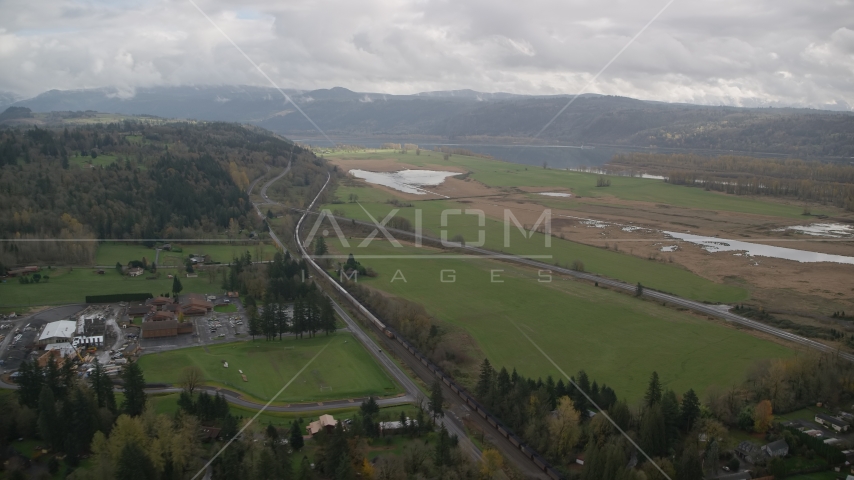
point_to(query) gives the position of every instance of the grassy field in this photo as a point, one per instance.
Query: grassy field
(660, 276)
(616, 338)
(504, 174)
(71, 285)
(110, 253)
(344, 370)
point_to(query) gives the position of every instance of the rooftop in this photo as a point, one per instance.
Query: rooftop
(61, 328)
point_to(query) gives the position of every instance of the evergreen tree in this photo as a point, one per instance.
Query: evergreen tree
(653, 432)
(30, 384)
(442, 451)
(320, 247)
(436, 400)
(670, 411)
(254, 325)
(102, 385)
(484, 382)
(370, 407)
(281, 320)
(327, 315)
(299, 319)
(176, 286)
(134, 390)
(503, 384)
(48, 421)
(296, 439)
(690, 410)
(653, 391)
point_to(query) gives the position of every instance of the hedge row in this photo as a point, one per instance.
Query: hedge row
(118, 297)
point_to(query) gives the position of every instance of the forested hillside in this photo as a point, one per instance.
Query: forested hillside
(129, 180)
(476, 117)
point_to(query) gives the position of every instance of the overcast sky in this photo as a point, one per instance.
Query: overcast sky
(736, 52)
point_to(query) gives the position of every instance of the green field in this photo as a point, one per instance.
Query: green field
(343, 370)
(504, 174)
(110, 253)
(71, 285)
(616, 338)
(660, 276)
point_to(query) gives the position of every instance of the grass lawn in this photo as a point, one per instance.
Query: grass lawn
(505, 174)
(110, 253)
(344, 370)
(660, 276)
(616, 338)
(226, 308)
(71, 285)
(808, 413)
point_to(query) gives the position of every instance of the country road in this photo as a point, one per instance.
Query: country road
(699, 307)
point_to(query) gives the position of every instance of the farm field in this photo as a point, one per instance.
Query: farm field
(661, 276)
(495, 173)
(110, 253)
(344, 370)
(617, 339)
(71, 285)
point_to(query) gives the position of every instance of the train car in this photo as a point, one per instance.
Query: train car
(503, 431)
(538, 461)
(527, 451)
(492, 421)
(514, 440)
(455, 389)
(471, 402)
(481, 411)
(411, 349)
(424, 361)
(553, 474)
(447, 381)
(389, 334)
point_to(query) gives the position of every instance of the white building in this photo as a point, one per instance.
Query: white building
(58, 332)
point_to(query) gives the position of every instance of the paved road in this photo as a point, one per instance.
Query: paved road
(699, 307)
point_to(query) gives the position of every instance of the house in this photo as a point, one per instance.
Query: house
(22, 271)
(165, 328)
(140, 310)
(776, 449)
(832, 422)
(159, 301)
(58, 332)
(325, 422)
(233, 294)
(388, 428)
(208, 434)
(167, 247)
(748, 451)
(195, 304)
(162, 316)
(135, 272)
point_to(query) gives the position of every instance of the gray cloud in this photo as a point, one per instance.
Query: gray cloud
(765, 52)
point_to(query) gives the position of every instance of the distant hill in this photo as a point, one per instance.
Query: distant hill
(485, 117)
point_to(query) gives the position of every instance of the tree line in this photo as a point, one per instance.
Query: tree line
(817, 181)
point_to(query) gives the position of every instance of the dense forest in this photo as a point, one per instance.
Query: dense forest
(814, 181)
(129, 180)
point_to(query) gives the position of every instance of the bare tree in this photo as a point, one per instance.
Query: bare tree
(191, 377)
